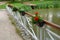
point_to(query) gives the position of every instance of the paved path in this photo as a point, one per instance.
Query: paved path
(7, 30)
(3, 2)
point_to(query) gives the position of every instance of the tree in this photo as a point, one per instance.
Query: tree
(13, 0)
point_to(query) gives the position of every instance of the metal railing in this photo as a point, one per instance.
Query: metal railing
(32, 31)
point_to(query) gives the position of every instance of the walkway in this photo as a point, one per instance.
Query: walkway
(7, 30)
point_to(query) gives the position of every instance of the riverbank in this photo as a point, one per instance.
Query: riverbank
(46, 4)
(3, 4)
(39, 4)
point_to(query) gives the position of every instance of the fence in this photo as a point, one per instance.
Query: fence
(31, 31)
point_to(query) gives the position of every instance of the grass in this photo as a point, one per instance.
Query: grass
(20, 5)
(3, 6)
(16, 4)
(47, 4)
(40, 4)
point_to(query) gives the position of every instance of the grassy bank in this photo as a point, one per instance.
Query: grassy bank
(39, 5)
(47, 4)
(21, 6)
(3, 6)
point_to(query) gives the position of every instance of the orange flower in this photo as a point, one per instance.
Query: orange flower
(36, 18)
(36, 12)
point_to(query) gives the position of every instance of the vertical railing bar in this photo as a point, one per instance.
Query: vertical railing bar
(44, 32)
(44, 35)
(40, 33)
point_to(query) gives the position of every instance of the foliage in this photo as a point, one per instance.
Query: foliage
(21, 6)
(47, 4)
(51, 0)
(39, 4)
(3, 6)
(15, 9)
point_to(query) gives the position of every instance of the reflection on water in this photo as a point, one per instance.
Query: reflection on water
(50, 15)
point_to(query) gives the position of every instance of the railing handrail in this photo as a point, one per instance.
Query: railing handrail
(46, 22)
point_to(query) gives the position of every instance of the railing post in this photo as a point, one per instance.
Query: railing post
(41, 33)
